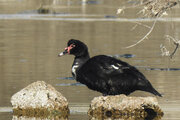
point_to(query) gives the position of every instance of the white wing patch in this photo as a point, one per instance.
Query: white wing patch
(119, 64)
(74, 69)
(115, 67)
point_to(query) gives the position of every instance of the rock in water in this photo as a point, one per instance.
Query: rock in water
(121, 106)
(39, 99)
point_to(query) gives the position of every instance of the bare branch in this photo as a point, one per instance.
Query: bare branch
(176, 43)
(142, 25)
(172, 54)
(142, 39)
(151, 9)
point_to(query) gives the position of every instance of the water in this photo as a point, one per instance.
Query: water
(30, 43)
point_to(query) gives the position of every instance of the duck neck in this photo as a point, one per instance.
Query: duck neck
(78, 62)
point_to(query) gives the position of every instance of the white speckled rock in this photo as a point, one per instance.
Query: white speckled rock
(123, 105)
(39, 95)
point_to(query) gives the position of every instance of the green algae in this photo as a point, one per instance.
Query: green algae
(127, 113)
(42, 112)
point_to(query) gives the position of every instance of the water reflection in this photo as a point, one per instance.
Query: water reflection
(36, 118)
(123, 55)
(164, 69)
(79, 111)
(70, 84)
(66, 78)
(90, 118)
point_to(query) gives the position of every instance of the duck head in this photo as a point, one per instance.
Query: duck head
(76, 48)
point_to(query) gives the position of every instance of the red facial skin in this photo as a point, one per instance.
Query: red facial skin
(69, 48)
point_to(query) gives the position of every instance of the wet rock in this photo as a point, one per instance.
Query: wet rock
(39, 99)
(121, 106)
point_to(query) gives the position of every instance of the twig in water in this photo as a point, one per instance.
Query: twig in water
(151, 9)
(144, 36)
(138, 23)
(172, 54)
(176, 42)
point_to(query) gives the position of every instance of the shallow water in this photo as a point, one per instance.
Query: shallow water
(30, 43)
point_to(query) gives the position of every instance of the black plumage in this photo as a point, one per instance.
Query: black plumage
(105, 74)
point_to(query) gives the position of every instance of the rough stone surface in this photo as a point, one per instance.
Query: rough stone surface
(121, 106)
(39, 99)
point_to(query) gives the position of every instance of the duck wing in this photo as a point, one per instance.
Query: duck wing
(110, 76)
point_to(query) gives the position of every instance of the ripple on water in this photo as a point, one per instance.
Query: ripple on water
(164, 69)
(122, 55)
(70, 84)
(65, 78)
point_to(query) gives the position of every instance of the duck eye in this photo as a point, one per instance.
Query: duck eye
(72, 45)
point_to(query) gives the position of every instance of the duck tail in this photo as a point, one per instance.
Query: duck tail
(155, 92)
(149, 88)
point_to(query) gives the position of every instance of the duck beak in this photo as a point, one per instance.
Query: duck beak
(67, 50)
(63, 53)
